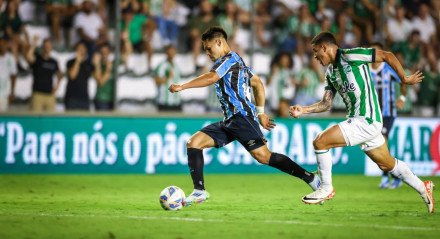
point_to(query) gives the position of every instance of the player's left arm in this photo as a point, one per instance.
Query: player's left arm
(260, 98)
(200, 81)
(391, 59)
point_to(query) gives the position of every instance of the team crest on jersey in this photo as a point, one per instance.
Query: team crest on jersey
(347, 69)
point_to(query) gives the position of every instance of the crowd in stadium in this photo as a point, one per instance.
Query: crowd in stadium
(59, 55)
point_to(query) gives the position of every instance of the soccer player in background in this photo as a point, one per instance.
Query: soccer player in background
(384, 78)
(349, 75)
(233, 81)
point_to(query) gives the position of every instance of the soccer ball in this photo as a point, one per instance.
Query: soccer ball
(172, 198)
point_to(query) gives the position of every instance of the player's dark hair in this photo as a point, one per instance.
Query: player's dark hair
(324, 37)
(376, 43)
(214, 32)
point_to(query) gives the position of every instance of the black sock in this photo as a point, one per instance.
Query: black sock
(285, 164)
(195, 163)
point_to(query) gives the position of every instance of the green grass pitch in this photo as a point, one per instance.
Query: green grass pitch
(241, 206)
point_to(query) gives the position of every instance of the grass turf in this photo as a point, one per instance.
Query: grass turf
(241, 206)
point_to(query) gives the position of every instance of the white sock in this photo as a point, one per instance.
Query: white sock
(324, 160)
(402, 171)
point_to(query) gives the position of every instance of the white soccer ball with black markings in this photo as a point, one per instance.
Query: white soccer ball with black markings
(172, 198)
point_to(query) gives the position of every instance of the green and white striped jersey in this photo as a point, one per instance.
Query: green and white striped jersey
(165, 97)
(350, 76)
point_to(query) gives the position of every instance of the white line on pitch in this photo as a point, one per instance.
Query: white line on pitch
(192, 219)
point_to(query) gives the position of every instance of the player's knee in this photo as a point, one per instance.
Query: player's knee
(191, 143)
(319, 143)
(261, 156)
(385, 167)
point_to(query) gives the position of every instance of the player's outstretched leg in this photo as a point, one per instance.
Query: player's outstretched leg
(425, 189)
(285, 164)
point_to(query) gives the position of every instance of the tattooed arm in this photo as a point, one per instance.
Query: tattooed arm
(324, 105)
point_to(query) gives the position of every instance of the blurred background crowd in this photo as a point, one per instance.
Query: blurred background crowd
(98, 55)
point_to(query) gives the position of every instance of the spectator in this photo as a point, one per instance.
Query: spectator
(411, 50)
(172, 16)
(105, 78)
(14, 29)
(44, 67)
(2, 20)
(8, 75)
(398, 28)
(79, 70)
(139, 28)
(199, 24)
(281, 84)
(348, 34)
(304, 25)
(58, 12)
(308, 80)
(363, 13)
(168, 73)
(228, 21)
(425, 24)
(428, 89)
(89, 26)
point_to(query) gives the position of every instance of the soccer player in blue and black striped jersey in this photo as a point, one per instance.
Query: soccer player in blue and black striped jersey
(384, 78)
(233, 82)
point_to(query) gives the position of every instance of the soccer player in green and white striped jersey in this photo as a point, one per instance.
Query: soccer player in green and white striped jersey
(167, 73)
(349, 75)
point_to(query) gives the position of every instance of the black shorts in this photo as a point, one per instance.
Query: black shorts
(387, 125)
(242, 128)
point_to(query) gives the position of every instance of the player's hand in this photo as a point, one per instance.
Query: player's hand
(400, 104)
(415, 78)
(295, 111)
(266, 122)
(175, 88)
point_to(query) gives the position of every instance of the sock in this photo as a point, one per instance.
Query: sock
(195, 163)
(402, 171)
(324, 160)
(285, 164)
(394, 177)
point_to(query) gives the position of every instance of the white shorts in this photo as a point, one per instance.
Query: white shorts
(357, 131)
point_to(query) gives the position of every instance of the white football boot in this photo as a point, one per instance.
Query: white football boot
(319, 196)
(196, 197)
(428, 197)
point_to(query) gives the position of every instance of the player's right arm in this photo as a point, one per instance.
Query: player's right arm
(324, 105)
(200, 81)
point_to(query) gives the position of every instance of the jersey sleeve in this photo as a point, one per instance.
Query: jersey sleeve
(251, 72)
(223, 66)
(361, 55)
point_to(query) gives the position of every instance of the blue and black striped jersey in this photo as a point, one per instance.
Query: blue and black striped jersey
(384, 79)
(234, 89)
